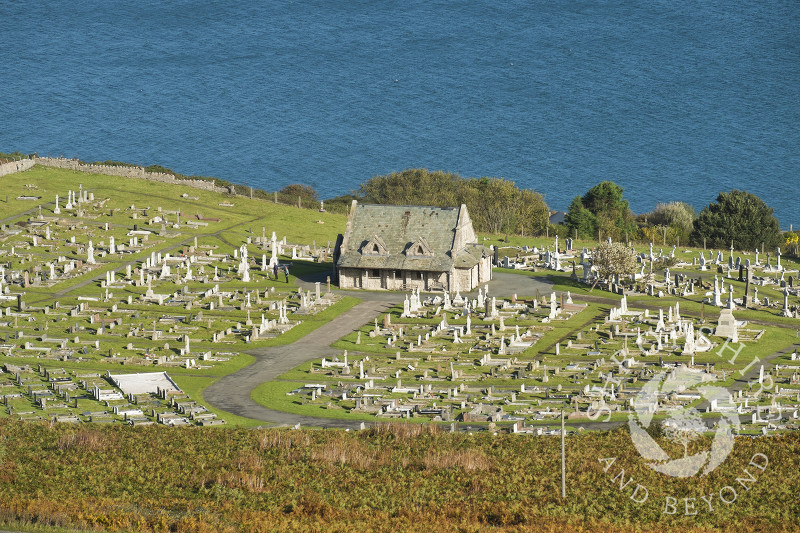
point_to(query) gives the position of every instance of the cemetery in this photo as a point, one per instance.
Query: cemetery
(91, 284)
(513, 362)
(123, 302)
(97, 282)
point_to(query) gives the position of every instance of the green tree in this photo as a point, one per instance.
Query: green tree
(412, 187)
(609, 211)
(671, 222)
(737, 217)
(497, 208)
(580, 219)
(533, 214)
(675, 214)
(605, 197)
(791, 241)
(614, 217)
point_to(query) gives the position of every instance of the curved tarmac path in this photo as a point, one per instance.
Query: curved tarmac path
(232, 392)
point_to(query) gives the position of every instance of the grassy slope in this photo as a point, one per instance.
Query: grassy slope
(244, 220)
(298, 225)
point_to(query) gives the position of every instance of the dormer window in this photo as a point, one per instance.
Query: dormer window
(374, 246)
(419, 248)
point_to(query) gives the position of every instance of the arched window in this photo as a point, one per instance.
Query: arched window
(420, 251)
(375, 249)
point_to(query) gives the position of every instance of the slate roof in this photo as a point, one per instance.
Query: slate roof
(396, 228)
(557, 217)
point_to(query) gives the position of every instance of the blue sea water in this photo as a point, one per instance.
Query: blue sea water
(672, 100)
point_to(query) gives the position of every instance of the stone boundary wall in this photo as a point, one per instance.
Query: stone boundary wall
(123, 171)
(16, 166)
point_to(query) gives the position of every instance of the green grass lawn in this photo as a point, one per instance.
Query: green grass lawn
(245, 219)
(274, 395)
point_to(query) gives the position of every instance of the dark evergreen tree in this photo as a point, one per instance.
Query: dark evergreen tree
(609, 212)
(580, 219)
(737, 217)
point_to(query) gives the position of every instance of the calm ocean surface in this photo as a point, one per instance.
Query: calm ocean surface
(672, 100)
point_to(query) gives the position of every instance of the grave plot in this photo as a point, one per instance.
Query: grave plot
(141, 306)
(784, 402)
(76, 396)
(675, 272)
(440, 359)
(496, 359)
(127, 325)
(61, 244)
(92, 279)
(101, 278)
(741, 308)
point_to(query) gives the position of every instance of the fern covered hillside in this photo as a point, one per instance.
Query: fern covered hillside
(391, 477)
